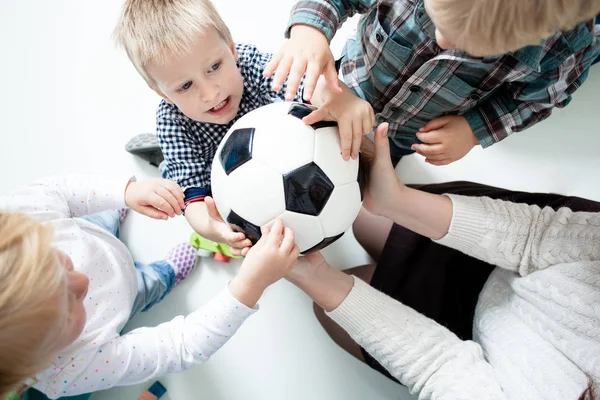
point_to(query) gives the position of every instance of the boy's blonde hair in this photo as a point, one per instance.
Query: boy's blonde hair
(153, 30)
(30, 277)
(494, 27)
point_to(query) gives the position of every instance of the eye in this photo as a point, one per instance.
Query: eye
(215, 66)
(185, 86)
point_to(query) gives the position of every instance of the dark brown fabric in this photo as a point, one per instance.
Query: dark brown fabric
(440, 282)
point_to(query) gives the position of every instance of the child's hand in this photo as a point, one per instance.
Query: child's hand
(221, 232)
(156, 198)
(269, 260)
(445, 140)
(307, 51)
(354, 116)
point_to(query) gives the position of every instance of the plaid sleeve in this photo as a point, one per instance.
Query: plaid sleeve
(254, 63)
(521, 104)
(326, 15)
(184, 161)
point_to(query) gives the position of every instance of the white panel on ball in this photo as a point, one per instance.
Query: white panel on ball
(258, 192)
(328, 157)
(341, 209)
(219, 189)
(307, 229)
(281, 141)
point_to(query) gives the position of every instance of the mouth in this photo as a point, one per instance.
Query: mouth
(221, 108)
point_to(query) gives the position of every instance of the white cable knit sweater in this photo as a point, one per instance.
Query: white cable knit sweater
(537, 322)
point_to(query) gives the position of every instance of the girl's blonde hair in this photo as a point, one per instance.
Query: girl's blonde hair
(494, 27)
(30, 277)
(153, 30)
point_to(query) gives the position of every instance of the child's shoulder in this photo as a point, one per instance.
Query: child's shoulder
(168, 111)
(250, 58)
(558, 47)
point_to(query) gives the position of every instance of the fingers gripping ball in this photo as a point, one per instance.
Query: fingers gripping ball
(270, 164)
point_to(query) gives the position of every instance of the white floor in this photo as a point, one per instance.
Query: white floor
(70, 103)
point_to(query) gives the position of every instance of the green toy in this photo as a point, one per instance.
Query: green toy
(207, 248)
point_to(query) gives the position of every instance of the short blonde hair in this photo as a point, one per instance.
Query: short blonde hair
(30, 322)
(153, 30)
(495, 27)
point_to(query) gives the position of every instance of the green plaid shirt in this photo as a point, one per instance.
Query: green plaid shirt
(395, 64)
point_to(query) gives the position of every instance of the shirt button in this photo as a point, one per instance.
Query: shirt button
(414, 89)
(379, 37)
(475, 96)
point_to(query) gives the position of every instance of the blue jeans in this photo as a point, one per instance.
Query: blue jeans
(155, 280)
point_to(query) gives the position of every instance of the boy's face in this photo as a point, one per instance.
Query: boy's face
(205, 84)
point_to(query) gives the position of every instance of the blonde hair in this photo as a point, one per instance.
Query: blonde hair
(153, 30)
(495, 27)
(30, 325)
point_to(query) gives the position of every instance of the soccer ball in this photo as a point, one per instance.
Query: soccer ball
(271, 164)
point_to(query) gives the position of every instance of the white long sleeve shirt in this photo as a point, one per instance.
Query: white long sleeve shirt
(100, 357)
(536, 331)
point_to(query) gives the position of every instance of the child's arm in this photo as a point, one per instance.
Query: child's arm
(204, 218)
(355, 116)
(514, 107)
(174, 346)
(311, 27)
(77, 195)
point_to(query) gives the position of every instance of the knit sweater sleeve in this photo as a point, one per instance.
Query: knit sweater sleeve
(423, 355)
(520, 237)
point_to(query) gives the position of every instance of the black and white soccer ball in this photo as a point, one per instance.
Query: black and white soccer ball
(271, 164)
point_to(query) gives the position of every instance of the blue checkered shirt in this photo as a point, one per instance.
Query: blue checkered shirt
(189, 146)
(395, 64)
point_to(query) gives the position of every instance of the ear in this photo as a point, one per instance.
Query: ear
(161, 94)
(234, 51)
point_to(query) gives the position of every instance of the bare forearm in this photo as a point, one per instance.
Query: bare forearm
(424, 213)
(245, 293)
(197, 216)
(327, 286)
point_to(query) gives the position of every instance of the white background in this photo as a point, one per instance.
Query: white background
(71, 101)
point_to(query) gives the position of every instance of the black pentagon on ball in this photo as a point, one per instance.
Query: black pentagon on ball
(239, 224)
(364, 169)
(307, 189)
(237, 150)
(323, 243)
(302, 110)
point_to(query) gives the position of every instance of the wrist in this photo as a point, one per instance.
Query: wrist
(129, 186)
(300, 29)
(245, 292)
(328, 287)
(398, 202)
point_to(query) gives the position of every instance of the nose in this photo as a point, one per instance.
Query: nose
(209, 92)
